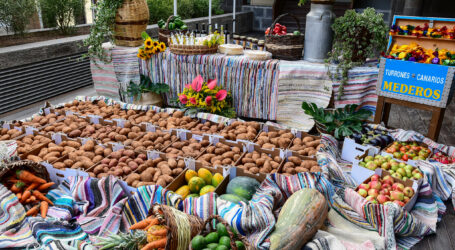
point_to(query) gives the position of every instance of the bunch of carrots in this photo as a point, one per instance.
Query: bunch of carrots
(156, 232)
(30, 190)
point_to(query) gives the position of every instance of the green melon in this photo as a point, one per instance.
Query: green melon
(243, 186)
(233, 198)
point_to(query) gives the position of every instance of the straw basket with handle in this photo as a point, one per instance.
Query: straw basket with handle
(183, 49)
(182, 227)
(287, 47)
(164, 34)
(233, 237)
(131, 20)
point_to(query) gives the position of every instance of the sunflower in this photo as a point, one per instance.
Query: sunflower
(162, 47)
(148, 42)
(149, 49)
(155, 43)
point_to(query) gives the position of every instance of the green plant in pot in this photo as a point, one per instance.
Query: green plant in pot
(357, 36)
(340, 122)
(146, 92)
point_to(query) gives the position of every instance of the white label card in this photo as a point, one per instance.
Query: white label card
(120, 122)
(29, 130)
(197, 137)
(150, 127)
(68, 112)
(6, 125)
(265, 128)
(95, 119)
(153, 154)
(47, 111)
(57, 137)
(18, 128)
(190, 163)
(232, 173)
(83, 140)
(226, 170)
(117, 146)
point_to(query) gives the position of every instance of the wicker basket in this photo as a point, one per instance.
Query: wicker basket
(164, 34)
(208, 223)
(287, 47)
(192, 49)
(131, 19)
(182, 227)
(36, 168)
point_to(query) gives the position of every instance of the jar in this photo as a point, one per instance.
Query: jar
(254, 44)
(243, 41)
(261, 45)
(236, 39)
(249, 42)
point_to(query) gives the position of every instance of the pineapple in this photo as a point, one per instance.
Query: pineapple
(123, 241)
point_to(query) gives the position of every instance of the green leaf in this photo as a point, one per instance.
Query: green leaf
(144, 35)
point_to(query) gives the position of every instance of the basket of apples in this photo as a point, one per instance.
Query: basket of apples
(383, 189)
(442, 158)
(408, 151)
(398, 169)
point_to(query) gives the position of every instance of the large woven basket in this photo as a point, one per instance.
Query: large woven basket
(286, 47)
(192, 49)
(182, 227)
(164, 34)
(209, 224)
(131, 19)
(33, 167)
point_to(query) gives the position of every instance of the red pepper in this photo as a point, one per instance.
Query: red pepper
(283, 28)
(276, 30)
(267, 31)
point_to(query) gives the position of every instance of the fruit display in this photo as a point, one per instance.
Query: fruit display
(160, 171)
(207, 127)
(306, 145)
(397, 169)
(8, 134)
(52, 152)
(408, 151)
(243, 187)
(187, 148)
(278, 30)
(67, 125)
(28, 142)
(30, 190)
(157, 140)
(241, 130)
(260, 161)
(111, 133)
(274, 139)
(385, 189)
(442, 158)
(297, 164)
(217, 238)
(199, 183)
(222, 153)
(374, 137)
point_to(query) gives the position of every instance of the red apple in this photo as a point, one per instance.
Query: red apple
(388, 179)
(382, 198)
(386, 186)
(384, 191)
(364, 186)
(375, 177)
(363, 192)
(373, 192)
(372, 199)
(400, 203)
(408, 191)
(375, 185)
(396, 195)
(398, 186)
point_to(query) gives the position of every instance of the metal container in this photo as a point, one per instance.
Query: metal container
(318, 32)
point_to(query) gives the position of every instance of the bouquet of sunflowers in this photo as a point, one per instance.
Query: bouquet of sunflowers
(206, 96)
(150, 47)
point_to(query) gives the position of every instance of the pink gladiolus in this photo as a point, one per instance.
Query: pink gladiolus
(221, 95)
(208, 100)
(183, 99)
(211, 83)
(193, 100)
(197, 83)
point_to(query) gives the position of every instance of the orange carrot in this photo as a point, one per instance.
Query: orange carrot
(40, 196)
(44, 208)
(44, 187)
(19, 196)
(33, 210)
(17, 187)
(141, 224)
(32, 198)
(26, 195)
(155, 244)
(25, 175)
(160, 232)
(32, 186)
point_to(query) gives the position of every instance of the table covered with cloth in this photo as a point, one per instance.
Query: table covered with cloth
(86, 207)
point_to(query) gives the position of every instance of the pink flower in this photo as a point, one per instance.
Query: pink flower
(211, 83)
(183, 99)
(208, 100)
(221, 95)
(193, 100)
(188, 86)
(197, 83)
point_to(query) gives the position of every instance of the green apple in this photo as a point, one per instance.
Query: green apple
(402, 164)
(362, 164)
(417, 176)
(404, 178)
(397, 155)
(408, 167)
(408, 173)
(391, 171)
(368, 158)
(401, 171)
(394, 166)
(385, 166)
(378, 157)
(371, 165)
(396, 175)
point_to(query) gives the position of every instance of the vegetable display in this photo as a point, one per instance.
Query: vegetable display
(442, 158)
(175, 23)
(243, 187)
(278, 30)
(399, 170)
(259, 162)
(374, 137)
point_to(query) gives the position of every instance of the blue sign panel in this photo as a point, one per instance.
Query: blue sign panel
(419, 80)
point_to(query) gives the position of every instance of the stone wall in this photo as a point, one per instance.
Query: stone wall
(263, 16)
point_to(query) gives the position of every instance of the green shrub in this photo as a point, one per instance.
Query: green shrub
(162, 9)
(61, 13)
(15, 14)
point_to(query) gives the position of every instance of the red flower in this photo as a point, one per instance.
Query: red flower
(211, 83)
(221, 95)
(183, 99)
(208, 100)
(193, 100)
(197, 83)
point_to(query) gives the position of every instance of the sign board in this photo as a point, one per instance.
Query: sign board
(423, 83)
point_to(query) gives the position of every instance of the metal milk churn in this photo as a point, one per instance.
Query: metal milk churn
(318, 32)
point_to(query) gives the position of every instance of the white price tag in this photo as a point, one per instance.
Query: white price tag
(265, 128)
(18, 128)
(47, 111)
(57, 137)
(6, 125)
(68, 112)
(214, 139)
(226, 170)
(247, 145)
(120, 122)
(83, 140)
(181, 134)
(190, 163)
(197, 137)
(29, 130)
(150, 127)
(95, 119)
(232, 173)
(153, 154)
(117, 146)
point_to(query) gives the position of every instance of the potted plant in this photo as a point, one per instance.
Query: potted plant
(357, 36)
(340, 122)
(146, 92)
(118, 21)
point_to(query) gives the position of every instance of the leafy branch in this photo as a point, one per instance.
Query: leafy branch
(145, 85)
